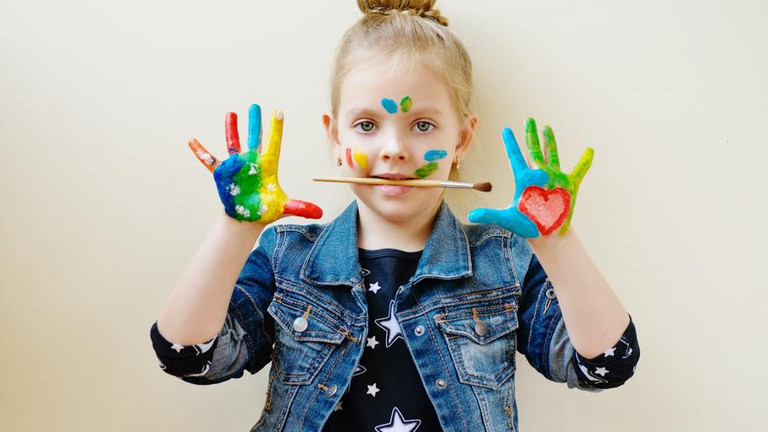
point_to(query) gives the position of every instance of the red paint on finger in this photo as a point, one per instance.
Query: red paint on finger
(230, 130)
(303, 209)
(546, 208)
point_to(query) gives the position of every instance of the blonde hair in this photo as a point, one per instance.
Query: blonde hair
(405, 31)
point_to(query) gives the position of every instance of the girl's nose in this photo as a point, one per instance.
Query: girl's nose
(394, 151)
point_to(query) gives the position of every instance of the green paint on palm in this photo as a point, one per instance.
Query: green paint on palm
(248, 178)
(426, 170)
(551, 165)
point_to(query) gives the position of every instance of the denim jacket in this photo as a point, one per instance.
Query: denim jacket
(467, 274)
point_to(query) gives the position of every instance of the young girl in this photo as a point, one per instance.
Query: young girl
(394, 316)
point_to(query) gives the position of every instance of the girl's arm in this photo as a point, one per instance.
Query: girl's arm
(593, 314)
(197, 307)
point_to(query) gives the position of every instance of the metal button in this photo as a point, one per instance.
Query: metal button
(300, 324)
(331, 390)
(551, 294)
(480, 328)
(440, 383)
(419, 330)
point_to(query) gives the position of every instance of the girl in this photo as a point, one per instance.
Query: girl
(394, 316)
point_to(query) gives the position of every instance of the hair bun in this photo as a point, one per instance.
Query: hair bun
(423, 8)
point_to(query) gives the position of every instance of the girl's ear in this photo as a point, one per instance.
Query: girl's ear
(466, 135)
(331, 131)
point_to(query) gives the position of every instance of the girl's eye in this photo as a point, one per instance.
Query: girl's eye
(424, 126)
(365, 126)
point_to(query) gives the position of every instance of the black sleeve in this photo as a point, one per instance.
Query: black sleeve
(182, 360)
(613, 367)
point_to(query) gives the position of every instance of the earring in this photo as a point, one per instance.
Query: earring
(338, 161)
(457, 164)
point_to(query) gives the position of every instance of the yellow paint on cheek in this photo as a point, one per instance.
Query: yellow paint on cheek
(361, 158)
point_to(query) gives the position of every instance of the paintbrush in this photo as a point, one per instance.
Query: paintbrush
(482, 186)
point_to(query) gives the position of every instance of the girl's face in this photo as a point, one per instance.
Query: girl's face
(398, 124)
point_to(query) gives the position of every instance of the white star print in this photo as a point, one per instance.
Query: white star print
(398, 424)
(242, 211)
(177, 347)
(372, 342)
(374, 287)
(609, 352)
(338, 406)
(390, 325)
(372, 390)
(601, 371)
(233, 189)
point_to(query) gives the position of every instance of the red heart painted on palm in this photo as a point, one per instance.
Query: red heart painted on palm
(547, 208)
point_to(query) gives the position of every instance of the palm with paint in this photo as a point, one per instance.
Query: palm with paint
(247, 182)
(544, 197)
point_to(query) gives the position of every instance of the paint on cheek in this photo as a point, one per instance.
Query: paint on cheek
(426, 170)
(406, 104)
(389, 105)
(435, 155)
(361, 158)
(349, 158)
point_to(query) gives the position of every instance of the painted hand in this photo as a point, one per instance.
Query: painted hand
(247, 182)
(545, 197)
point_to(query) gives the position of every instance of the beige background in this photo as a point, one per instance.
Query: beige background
(103, 205)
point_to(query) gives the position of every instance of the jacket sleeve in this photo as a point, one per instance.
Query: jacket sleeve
(246, 338)
(544, 340)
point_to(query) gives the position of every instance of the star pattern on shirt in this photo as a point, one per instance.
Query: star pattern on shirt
(390, 325)
(398, 424)
(372, 342)
(601, 371)
(372, 390)
(374, 287)
(609, 352)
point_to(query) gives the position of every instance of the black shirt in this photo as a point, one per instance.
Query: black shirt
(386, 392)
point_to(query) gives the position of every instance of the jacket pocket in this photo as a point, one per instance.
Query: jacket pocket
(482, 342)
(304, 338)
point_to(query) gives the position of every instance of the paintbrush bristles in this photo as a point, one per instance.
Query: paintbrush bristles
(483, 187)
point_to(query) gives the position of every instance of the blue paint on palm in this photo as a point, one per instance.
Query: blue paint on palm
(510, 218)
(434, 155)
(389, 105)
(224, 175)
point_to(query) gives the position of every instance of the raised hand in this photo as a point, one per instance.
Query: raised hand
(247, 182)
(545, 197)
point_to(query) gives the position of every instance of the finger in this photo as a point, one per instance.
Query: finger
(272, 152)
(553, 159)
(513, 151)
(583, 166)
(230, 130)
(254, 127)
(203, 155)
(532, 139)
(303, 209)
(485, 216)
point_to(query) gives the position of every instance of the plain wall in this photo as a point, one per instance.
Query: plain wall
(103, 205)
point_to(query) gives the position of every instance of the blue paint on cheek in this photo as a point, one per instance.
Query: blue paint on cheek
(434, 155)
(224, 176)
(389, 105)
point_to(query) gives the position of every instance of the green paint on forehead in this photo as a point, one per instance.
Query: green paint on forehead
(406, 104)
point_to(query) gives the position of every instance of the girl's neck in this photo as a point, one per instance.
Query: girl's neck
(377, 232)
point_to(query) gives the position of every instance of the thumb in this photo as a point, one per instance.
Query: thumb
(485, 216)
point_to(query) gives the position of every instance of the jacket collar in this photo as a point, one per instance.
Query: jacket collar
(333, 259)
